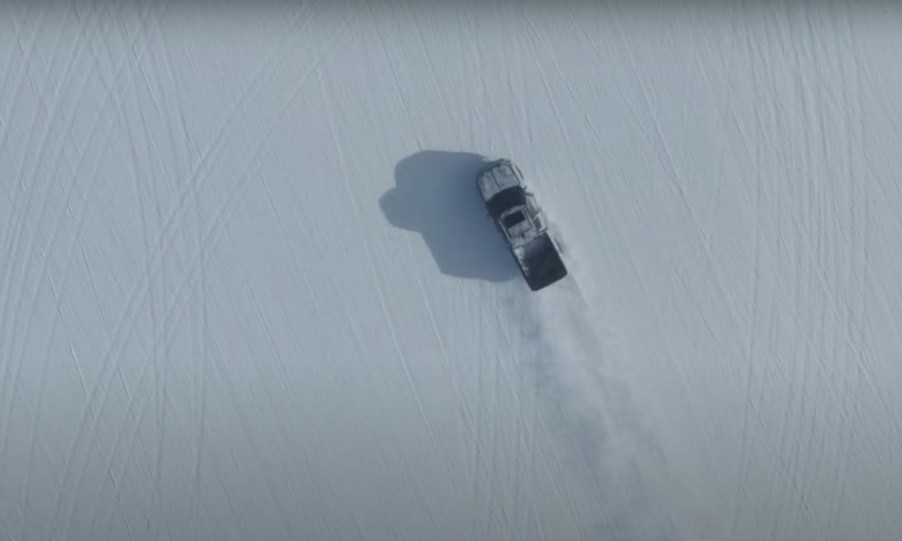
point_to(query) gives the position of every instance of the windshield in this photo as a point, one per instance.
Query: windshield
(513, 219)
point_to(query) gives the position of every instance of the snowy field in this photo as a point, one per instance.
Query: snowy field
(248, 290)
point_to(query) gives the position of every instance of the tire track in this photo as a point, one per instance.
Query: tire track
(245, 425)
(796, 383)
(27, 205)
(748, 406)
(402, 101)
(855, 326)
(16, 221)
(673, 176)
(14, 99)
(87, 200)
(160, 352)
(169, 326)
(69, 258)
(55, 231)
(477, 447)
(215, 230)
(382, 301)
(179, 167)
(824, 284)
(432, 78)
(849, 389)
(443, 351)
(372, 268)
(25, 492)
(17, 39)
(127, 318)
(136, 420)
(841, 309)
(15, 367)
(200, 371)
(493, 462)
(13, 229)
(178, 93)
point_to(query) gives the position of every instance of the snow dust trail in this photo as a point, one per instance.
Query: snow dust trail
(580, 369)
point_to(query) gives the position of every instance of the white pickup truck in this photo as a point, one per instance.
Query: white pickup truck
(516, 214)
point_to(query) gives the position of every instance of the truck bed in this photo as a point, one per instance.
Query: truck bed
(539, 262)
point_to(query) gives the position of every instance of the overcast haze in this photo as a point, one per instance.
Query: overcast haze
(248, 289)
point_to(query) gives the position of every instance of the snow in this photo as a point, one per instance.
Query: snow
(248, 289)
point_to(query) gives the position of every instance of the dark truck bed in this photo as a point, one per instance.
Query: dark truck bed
(540, 262)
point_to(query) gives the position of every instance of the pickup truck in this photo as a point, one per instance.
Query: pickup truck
(517, 215)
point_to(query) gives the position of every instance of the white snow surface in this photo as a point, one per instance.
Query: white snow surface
(248, 289)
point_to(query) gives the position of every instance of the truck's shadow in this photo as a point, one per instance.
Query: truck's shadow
(435, 195)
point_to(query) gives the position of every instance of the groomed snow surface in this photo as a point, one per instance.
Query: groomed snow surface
(248, 289)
